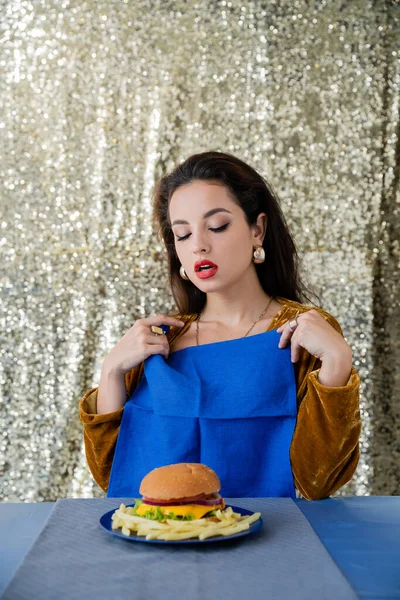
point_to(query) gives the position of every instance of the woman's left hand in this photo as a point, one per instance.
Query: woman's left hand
(314, 334)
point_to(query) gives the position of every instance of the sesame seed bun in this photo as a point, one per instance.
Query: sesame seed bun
(180, 480)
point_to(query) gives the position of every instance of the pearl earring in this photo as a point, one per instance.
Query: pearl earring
(258, 255)
(182, 273)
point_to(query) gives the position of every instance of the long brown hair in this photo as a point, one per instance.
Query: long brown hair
(279, 273)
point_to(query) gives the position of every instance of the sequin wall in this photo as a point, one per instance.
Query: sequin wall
(98, 100)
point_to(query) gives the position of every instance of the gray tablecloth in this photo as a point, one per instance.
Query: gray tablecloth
(74, 558)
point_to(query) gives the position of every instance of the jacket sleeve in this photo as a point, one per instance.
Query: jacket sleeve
(325, 447)
(100, 432)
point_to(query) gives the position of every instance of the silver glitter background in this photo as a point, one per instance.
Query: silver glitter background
(98, 100)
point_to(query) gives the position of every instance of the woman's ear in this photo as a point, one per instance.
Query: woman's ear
(260, 228)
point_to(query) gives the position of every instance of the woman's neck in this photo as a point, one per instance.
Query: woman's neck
(236, 306)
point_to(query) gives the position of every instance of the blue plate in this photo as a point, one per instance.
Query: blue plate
(105, 522)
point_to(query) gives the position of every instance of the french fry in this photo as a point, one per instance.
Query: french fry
(144, 530)
(178, 536)
(179, 524)
(251, 518)
(209, 532)
(152, 535)
(235, 529)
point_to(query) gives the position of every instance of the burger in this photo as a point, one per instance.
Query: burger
(178, 502)
(182, 491)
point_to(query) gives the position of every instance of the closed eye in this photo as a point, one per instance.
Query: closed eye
(216, 230)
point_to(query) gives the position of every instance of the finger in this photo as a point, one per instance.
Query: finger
(294, 349)
(157, 339)
(296, 318)
(158, 349)
(286, 335)
(163, 320)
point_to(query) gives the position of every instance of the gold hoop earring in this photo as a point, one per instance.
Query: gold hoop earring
(182, 273)
(258, 255)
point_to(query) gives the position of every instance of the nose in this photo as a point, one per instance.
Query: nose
(200, 245)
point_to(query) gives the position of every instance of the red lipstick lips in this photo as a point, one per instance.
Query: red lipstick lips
(205, 269)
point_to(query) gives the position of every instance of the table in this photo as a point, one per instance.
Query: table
(362, 535)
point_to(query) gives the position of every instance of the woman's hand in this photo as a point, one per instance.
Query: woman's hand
(139, 343)
(314, 334)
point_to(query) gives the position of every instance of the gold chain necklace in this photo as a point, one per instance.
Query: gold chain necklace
(255, 322)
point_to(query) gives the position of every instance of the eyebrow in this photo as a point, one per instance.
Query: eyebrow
(207, 214)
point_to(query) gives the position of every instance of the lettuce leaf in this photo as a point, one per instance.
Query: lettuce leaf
(132, 510)
(156, 514)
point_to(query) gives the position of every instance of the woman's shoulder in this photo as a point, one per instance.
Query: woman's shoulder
(291, 307)
(176, 331)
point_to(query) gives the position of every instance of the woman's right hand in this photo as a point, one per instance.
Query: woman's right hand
(139, 343)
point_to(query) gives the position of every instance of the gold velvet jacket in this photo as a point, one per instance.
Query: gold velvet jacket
(325, 446)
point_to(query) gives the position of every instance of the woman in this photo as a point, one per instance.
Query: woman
(248, 380)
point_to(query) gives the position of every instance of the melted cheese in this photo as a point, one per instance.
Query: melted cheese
(181, 510)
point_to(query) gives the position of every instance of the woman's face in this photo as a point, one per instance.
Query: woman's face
(208, 225)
